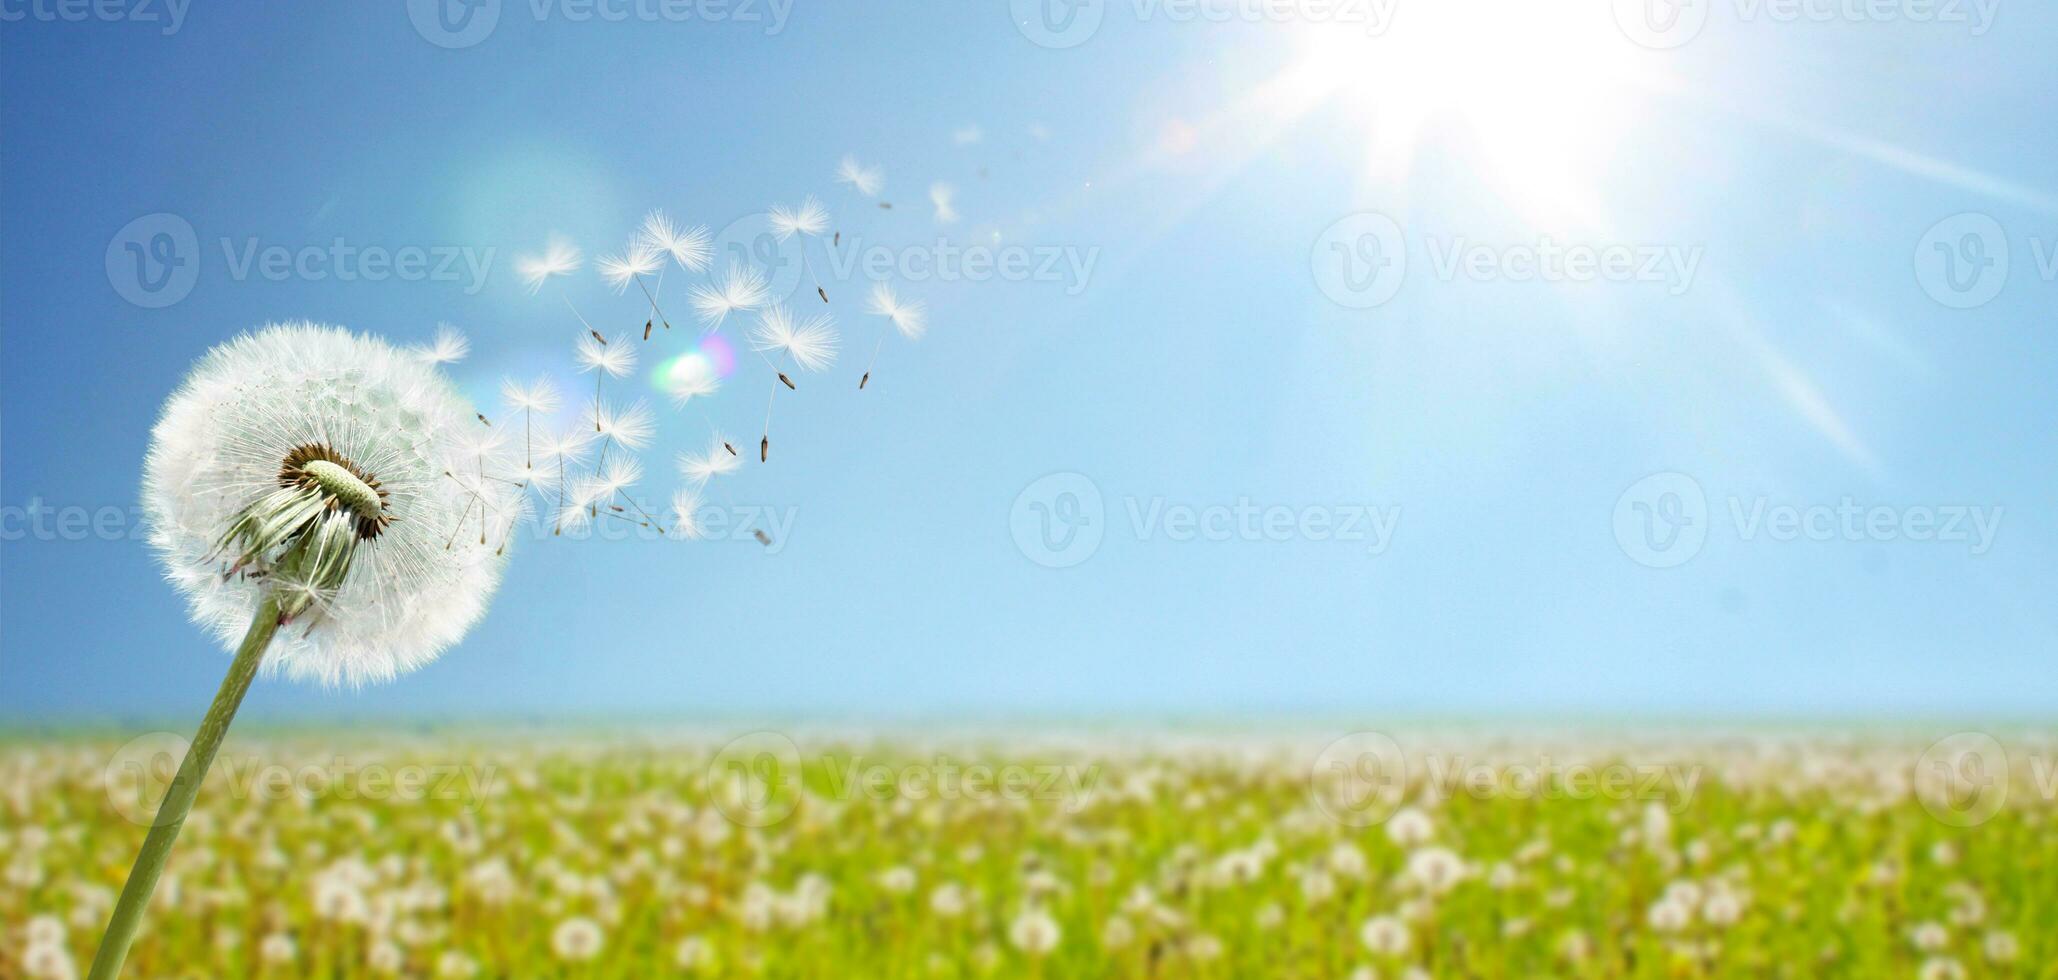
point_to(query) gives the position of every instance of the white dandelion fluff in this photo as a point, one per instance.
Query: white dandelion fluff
(943, 196)
(558, 258)
(691, 379)
(719, 460)
(449, 347)
(865, 180)
(808, 218)
(810, 342)
(623, 267)
(1034, 932)
(686, 513)
(613, 358)
(691, 247)
(740, 288)
(910, 318)
(630, 428)
(300, 438)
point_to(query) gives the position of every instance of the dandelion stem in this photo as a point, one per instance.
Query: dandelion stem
(178, 798)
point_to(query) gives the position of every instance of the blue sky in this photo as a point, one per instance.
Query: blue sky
(1374, 341)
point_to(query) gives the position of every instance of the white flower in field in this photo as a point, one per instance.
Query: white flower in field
(694, 954)
(614, 358)
(948, 901)
(1684, 892)
(453, 965)
(899, 879)
(1409, 827)
(1943, 853)
(740, 288)
(943, 196)
(865, 180)
(277, 948)
(2001, 947)
(691, 247)
(1317, 886)
(811, 342)
(908, 317)
(449, 347)
(809, 218)
(1574, 946)
(1657, 826)
(626, 266)
(1269, 916)
(1034, 932)
(48, 961)
(1723, 908)
(316, 464)
(1941, 968)
(1117, 933)
(1929, 937)
(336, 899)
(1347, 860)
(1435, 869)
(385, 958)
(1363, 973)
(1969, 908)
(559, 258)
(1384, 935)
(1204, 947)
(1501, 876)
(1697, 851)
(576, 940)
(1669, 915)
(44, 929)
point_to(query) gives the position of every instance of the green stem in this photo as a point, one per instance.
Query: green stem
(178, 799)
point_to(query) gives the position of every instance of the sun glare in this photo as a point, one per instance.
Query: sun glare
(1542, 89)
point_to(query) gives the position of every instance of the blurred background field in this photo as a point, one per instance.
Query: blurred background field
(1445, 851)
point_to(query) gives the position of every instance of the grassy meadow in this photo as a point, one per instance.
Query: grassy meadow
(1439, 853)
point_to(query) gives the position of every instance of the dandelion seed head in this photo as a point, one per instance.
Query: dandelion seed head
(359, 417)
(741, 288)
(910, 318)
(617, 357)
(622, 268)
(539, 396)
(629, 428)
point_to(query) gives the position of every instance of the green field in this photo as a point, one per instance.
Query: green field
(1466, 853)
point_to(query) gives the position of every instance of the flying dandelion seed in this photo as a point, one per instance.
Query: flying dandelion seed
(540, 397)
(865, 180)
(449, 347)
(719, 460)
(809, 344)
(739, 289)
(942, 196)
(808, 220)
(692, 248)
(604, 360)
(686, 513)
(690, 376)
(910, 318)
(559, 258)
(631, 265)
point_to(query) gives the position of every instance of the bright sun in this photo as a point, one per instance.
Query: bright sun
(1543, 88)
